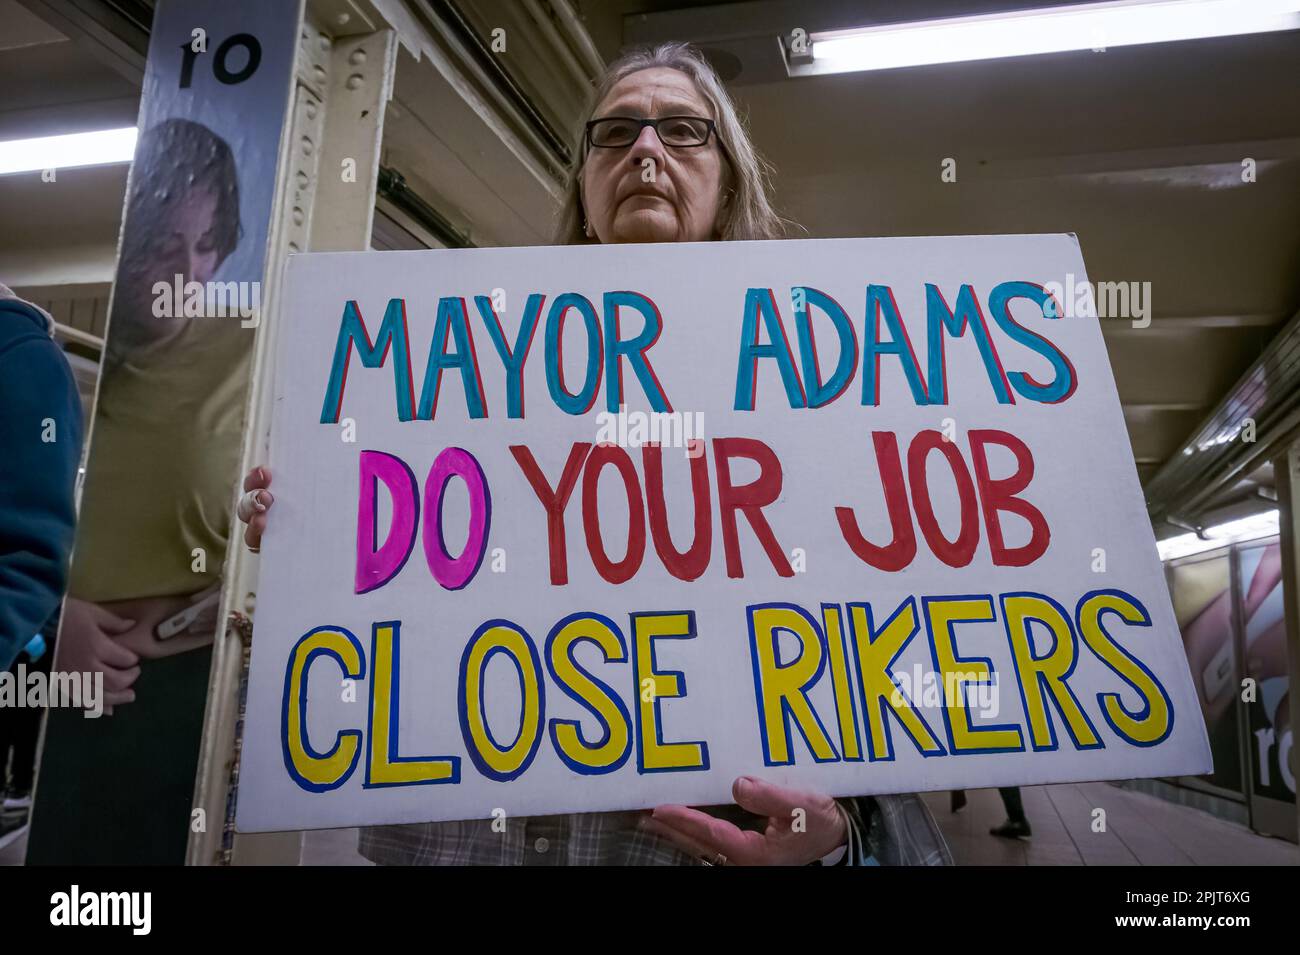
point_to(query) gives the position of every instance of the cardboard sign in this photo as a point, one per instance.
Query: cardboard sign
(599, 528)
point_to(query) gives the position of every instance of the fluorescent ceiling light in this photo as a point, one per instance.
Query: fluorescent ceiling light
(1247, 528)
(63, 152)
(1087, 26)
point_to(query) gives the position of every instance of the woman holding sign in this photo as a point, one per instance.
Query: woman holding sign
(664, 158)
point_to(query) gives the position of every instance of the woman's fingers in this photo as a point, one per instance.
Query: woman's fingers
(781, 845)
(253, 532)
(117, 681)
(717, 835)
(680, 839)
(118, 685)
(764, 799)
(110, 622)
(110, 653)
(258, 477)
(253, 506)
(254, 503)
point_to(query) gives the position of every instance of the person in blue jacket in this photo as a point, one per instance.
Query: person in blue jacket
(40, 434)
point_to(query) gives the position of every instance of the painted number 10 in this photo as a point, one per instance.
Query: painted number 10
(220, 69)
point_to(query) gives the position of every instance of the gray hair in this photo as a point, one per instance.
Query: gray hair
(748, 212)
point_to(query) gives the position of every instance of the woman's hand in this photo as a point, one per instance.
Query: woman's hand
(802, 827)
(87, 644)
(148, 613)
(254, 505)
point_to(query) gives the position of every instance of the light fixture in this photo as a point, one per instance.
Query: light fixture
(62, 152)
(1085, 26)
(1264, 524)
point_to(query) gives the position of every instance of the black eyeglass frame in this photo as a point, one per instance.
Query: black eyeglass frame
(711, 130)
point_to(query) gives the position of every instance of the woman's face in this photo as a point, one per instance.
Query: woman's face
(682, 200)
(182, 242)
(186, 239)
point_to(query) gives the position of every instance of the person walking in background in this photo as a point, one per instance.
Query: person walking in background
(40, 432)
(1016, 825)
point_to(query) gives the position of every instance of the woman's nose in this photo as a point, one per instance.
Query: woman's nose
(647, 146)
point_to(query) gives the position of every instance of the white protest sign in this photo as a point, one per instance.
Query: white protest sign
(890, 536)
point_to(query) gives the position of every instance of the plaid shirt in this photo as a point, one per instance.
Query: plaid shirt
(884, 830)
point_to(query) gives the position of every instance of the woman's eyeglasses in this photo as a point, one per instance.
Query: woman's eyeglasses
(618, 132)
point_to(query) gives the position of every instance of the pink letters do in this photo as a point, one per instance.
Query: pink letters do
(377, 563)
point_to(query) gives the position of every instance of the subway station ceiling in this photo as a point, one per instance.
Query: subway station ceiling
(1138, 150)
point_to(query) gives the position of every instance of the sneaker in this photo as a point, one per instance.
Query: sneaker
(12, 828)
(15, 801)
(1012, 829)
(958, 802)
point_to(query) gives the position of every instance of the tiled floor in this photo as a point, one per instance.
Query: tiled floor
(321, 847)
(1140, 830)
(332, 847)
(13, 847)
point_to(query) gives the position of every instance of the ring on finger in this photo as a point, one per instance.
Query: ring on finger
(250, 505)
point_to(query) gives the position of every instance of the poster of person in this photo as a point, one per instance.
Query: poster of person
(1269, 703)
(167, 431)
